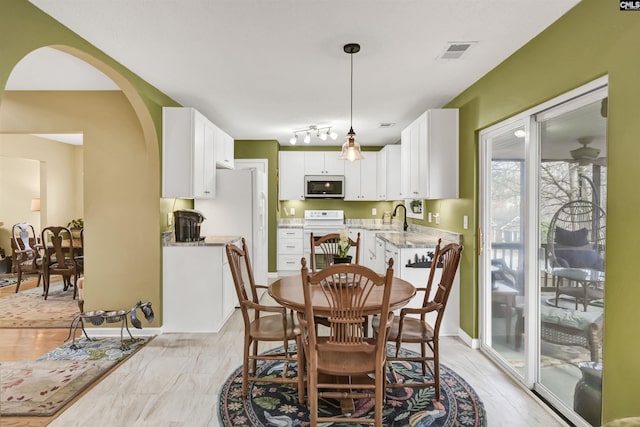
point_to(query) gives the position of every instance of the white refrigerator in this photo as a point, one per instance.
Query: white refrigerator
(240, 208)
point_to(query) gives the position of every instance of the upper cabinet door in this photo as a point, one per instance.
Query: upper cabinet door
(224, 145)
(188, 154)
(323, 163)
(388, 173)
(333, 165)
(291, 175)
(360, 178)
(429, 156)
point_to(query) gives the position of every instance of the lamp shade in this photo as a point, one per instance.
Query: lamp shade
(351, 148)
(35, 205)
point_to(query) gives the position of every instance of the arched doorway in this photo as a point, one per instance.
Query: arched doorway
(119, 180)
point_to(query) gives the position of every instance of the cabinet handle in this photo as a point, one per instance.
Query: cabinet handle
(206, 192)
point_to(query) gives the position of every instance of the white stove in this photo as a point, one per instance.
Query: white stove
(323, 220)
(320, 223)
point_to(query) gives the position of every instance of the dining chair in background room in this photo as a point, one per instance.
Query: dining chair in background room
(409, 329)
(26, 252)
(345, 354)
(79, 256)
(325, 248)
(59, 258)
(274, 326)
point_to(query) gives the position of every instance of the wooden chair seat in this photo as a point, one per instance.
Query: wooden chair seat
(269, 328)
(413, 330)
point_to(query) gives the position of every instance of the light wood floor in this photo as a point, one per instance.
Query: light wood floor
(175, 380)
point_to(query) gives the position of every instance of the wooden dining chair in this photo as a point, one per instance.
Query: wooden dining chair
(26, 252)
(325, 248)
(409, 329)
(258, 327)
(59, 258)
(345, 354)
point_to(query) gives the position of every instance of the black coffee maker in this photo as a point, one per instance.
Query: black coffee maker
(187, 225)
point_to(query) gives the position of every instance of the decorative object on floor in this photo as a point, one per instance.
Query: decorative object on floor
(27, 309)
(42, 387)
(8, 281)
(277, 404)
(99, 317)
(587, 397)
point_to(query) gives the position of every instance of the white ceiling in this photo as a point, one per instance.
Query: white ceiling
(260, 69)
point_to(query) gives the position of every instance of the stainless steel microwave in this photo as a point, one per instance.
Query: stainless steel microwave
(324, 186)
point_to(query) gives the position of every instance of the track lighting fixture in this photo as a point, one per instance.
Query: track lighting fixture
(322, 132)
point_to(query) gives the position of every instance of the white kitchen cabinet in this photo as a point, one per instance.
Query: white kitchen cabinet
(360, 178)
(368, 250)
(380, 260)
(224, 146)
(323, 163)
(291, 175)
(188, 154)
(392, 251)
(388, 173)
(198, 294)
(290, 249)
(429, 156)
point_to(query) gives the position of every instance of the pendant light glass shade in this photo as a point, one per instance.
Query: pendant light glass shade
(350, 148)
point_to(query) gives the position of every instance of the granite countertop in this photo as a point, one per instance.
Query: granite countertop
(207, 241)
(409, 239)
(413, 240)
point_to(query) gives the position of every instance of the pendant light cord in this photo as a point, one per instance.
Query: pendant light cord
(351, 90)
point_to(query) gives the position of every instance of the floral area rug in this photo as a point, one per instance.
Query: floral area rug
(28, 308)
(42, 387)
(270, 404)
(8, 281)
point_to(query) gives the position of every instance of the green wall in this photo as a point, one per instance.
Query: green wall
(594, 39)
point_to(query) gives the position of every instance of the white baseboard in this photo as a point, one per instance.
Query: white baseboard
(471, 342)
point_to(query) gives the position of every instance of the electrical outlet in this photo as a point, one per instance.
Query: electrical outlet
(465, 222)
(292, 211)
(169, 218)
(374, 211)
(437, 218)
(429, 217)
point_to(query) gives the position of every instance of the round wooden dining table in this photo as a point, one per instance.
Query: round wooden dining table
(288, 292)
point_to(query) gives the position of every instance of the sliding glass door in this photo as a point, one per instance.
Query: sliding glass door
(542, 265)
(504, 157)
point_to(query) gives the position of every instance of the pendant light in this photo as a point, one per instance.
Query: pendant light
(350, 148)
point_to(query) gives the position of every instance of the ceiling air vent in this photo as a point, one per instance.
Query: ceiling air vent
(456, 50)
(387, 125)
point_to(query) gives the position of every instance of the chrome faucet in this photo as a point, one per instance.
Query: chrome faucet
(405, 225)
